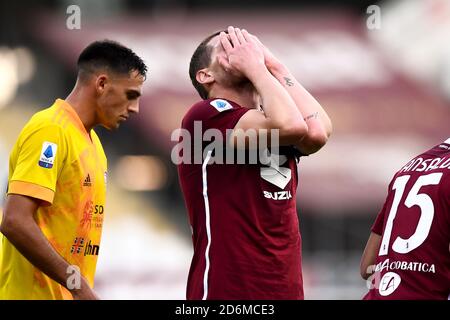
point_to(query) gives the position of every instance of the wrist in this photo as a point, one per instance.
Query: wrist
(276, 67)
(257, 73)
(76, 283)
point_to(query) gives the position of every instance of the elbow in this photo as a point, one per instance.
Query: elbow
(8, 226)
(4, 227)
(313, 141)
(366, 270)
(318, 138)
(329, 130)
(294, 130)
(363, 273)
(327, 126)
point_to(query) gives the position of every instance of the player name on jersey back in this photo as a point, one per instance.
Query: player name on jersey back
(420, 164)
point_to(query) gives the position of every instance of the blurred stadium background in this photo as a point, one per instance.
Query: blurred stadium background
(387, 91)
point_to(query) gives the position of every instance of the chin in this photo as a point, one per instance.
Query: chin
(110, 126)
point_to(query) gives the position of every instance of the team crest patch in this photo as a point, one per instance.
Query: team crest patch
(48, 154)
(221, 105)
(278, 176)
(273, 172)
(389, 283)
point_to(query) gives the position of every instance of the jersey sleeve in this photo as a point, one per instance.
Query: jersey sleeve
(378, 225)
(40, 157)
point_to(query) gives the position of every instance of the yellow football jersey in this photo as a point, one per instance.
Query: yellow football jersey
(56, 160)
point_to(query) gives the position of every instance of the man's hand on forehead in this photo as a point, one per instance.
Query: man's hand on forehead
(229, 37)
(241, 52)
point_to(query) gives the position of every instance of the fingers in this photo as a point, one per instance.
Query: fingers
(251, 37)
(233, 37)
(226, 44)
(240, 36)
(247, 36)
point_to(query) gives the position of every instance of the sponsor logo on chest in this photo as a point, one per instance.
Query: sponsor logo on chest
(92, 215)
(86, 248)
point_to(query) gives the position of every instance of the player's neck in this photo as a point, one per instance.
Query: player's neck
(82, 105)
(245, 97)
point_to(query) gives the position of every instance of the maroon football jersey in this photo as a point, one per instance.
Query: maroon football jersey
(245, 228)
(414, 259)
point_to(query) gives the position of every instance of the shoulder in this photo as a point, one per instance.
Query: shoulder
(206, 109)
(49, 120)
(41, 130)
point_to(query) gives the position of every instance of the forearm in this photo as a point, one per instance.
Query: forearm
(369, 255)
(315, 116)
(278, 105)
(29, 240)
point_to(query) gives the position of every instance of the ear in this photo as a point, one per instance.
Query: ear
(101, 82)
(204, 76)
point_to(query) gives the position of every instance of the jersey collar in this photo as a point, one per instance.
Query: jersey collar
(74, 116)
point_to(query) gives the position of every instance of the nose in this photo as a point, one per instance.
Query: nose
(134, 107)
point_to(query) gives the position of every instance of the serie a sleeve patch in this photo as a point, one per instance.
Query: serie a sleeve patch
(221, 105)
(48, 155)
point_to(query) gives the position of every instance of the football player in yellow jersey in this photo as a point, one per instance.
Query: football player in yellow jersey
(55, 205)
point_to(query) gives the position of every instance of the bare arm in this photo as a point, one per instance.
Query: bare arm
(20, 228)
(317, 120)
(370, 254)
(280, 112)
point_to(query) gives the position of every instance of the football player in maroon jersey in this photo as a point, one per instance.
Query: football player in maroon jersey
(246, 237)
(407, 255)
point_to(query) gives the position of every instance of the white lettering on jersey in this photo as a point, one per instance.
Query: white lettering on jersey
(280, 195)
(421, 165)
(405, 266)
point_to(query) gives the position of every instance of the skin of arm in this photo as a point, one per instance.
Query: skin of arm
(245, 56)
(317, 120)
(20, 228)
(370, 254)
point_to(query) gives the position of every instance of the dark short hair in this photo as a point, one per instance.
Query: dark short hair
(110, 55)
(201, 59)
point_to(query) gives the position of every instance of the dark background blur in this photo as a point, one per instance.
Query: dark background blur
(386, 89)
